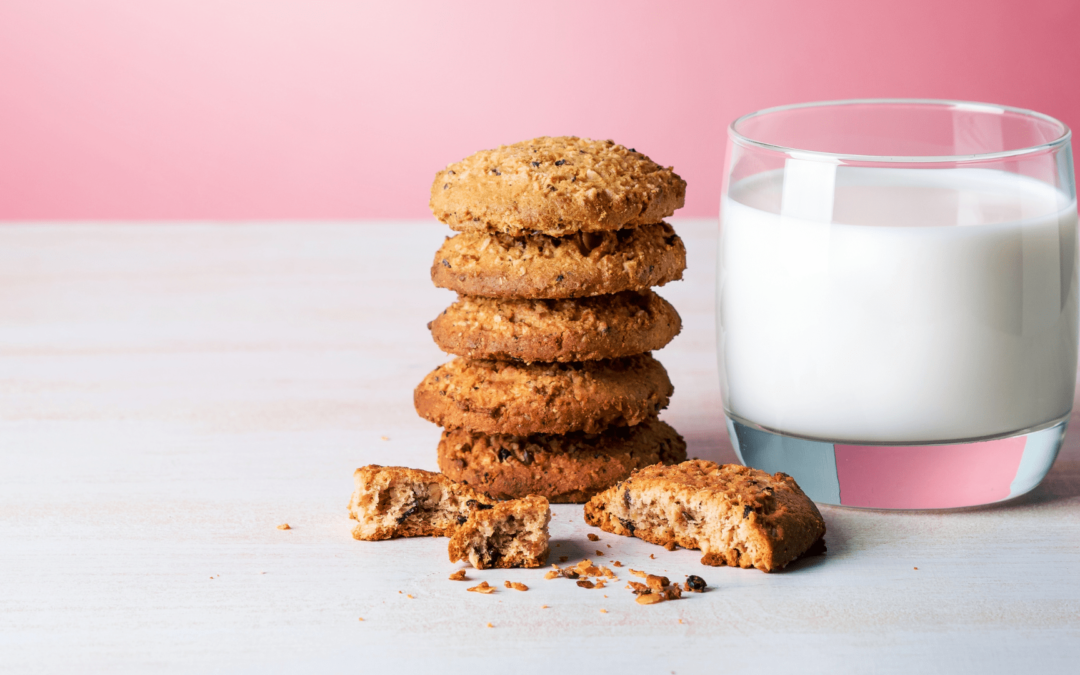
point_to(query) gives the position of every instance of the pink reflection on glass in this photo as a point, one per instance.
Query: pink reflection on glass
(927, 477)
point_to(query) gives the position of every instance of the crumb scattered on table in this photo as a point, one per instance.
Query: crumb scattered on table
(284, 526)
(483, 588)
(458, 576)
(593, 537)
(384, 438)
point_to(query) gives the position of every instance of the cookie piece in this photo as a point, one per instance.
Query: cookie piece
(555, 186)
(503, 397)
(735, 515)
(567, 469)
(393, 501)
(539, 266)
(510, 534)
(583, 329)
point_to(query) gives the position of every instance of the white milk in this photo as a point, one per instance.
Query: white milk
(893, 324)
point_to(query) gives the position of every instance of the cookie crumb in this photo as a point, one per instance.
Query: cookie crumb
(603, 611)
(489, 625)
(483, 588)
(384, 438)
(458, 576)
(669, 546)
(593, 537)
(608, 545)
(284, 526)
(916, 568)
(599, 552)
(656, 582)
(410, 597)
(616, 564)
(552, 574)
(585, 583)
(680, 620)
(650, 598)
(652, 556)
(516, 585)
(361, 618)
(638, 573)
(543, 606)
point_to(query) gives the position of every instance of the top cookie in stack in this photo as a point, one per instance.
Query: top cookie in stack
(554, 392)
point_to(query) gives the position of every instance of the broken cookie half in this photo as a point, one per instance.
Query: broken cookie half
(394, 501)
(734, 514)
(510, 534)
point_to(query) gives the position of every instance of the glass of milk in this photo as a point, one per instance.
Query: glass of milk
(897, 299)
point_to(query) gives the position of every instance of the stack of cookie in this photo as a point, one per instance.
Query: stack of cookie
(554, 392)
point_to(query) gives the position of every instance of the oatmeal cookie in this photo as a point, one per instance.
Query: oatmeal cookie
(510, 534)
(568, 468)
(733, 514)
(539, 266)
(393, 501)
(503, 397)
(583, 329)
(555, 186)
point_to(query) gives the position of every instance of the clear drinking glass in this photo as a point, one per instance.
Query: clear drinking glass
(897, 299)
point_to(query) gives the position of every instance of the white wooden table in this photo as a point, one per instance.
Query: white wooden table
(170, 393)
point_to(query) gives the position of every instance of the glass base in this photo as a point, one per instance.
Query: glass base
(923, 476)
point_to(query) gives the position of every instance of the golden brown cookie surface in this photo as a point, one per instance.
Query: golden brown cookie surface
(539, 266)
(500, 397)
(735, 515)
(567, 468)
(583, 329)
(556, 186)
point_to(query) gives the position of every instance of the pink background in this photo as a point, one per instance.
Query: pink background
(251, 109)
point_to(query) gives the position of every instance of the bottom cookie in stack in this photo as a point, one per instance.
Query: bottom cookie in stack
(564, 468)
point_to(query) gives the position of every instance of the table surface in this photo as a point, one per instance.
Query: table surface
(170, 393)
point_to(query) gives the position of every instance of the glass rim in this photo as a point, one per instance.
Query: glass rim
(835, 157)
